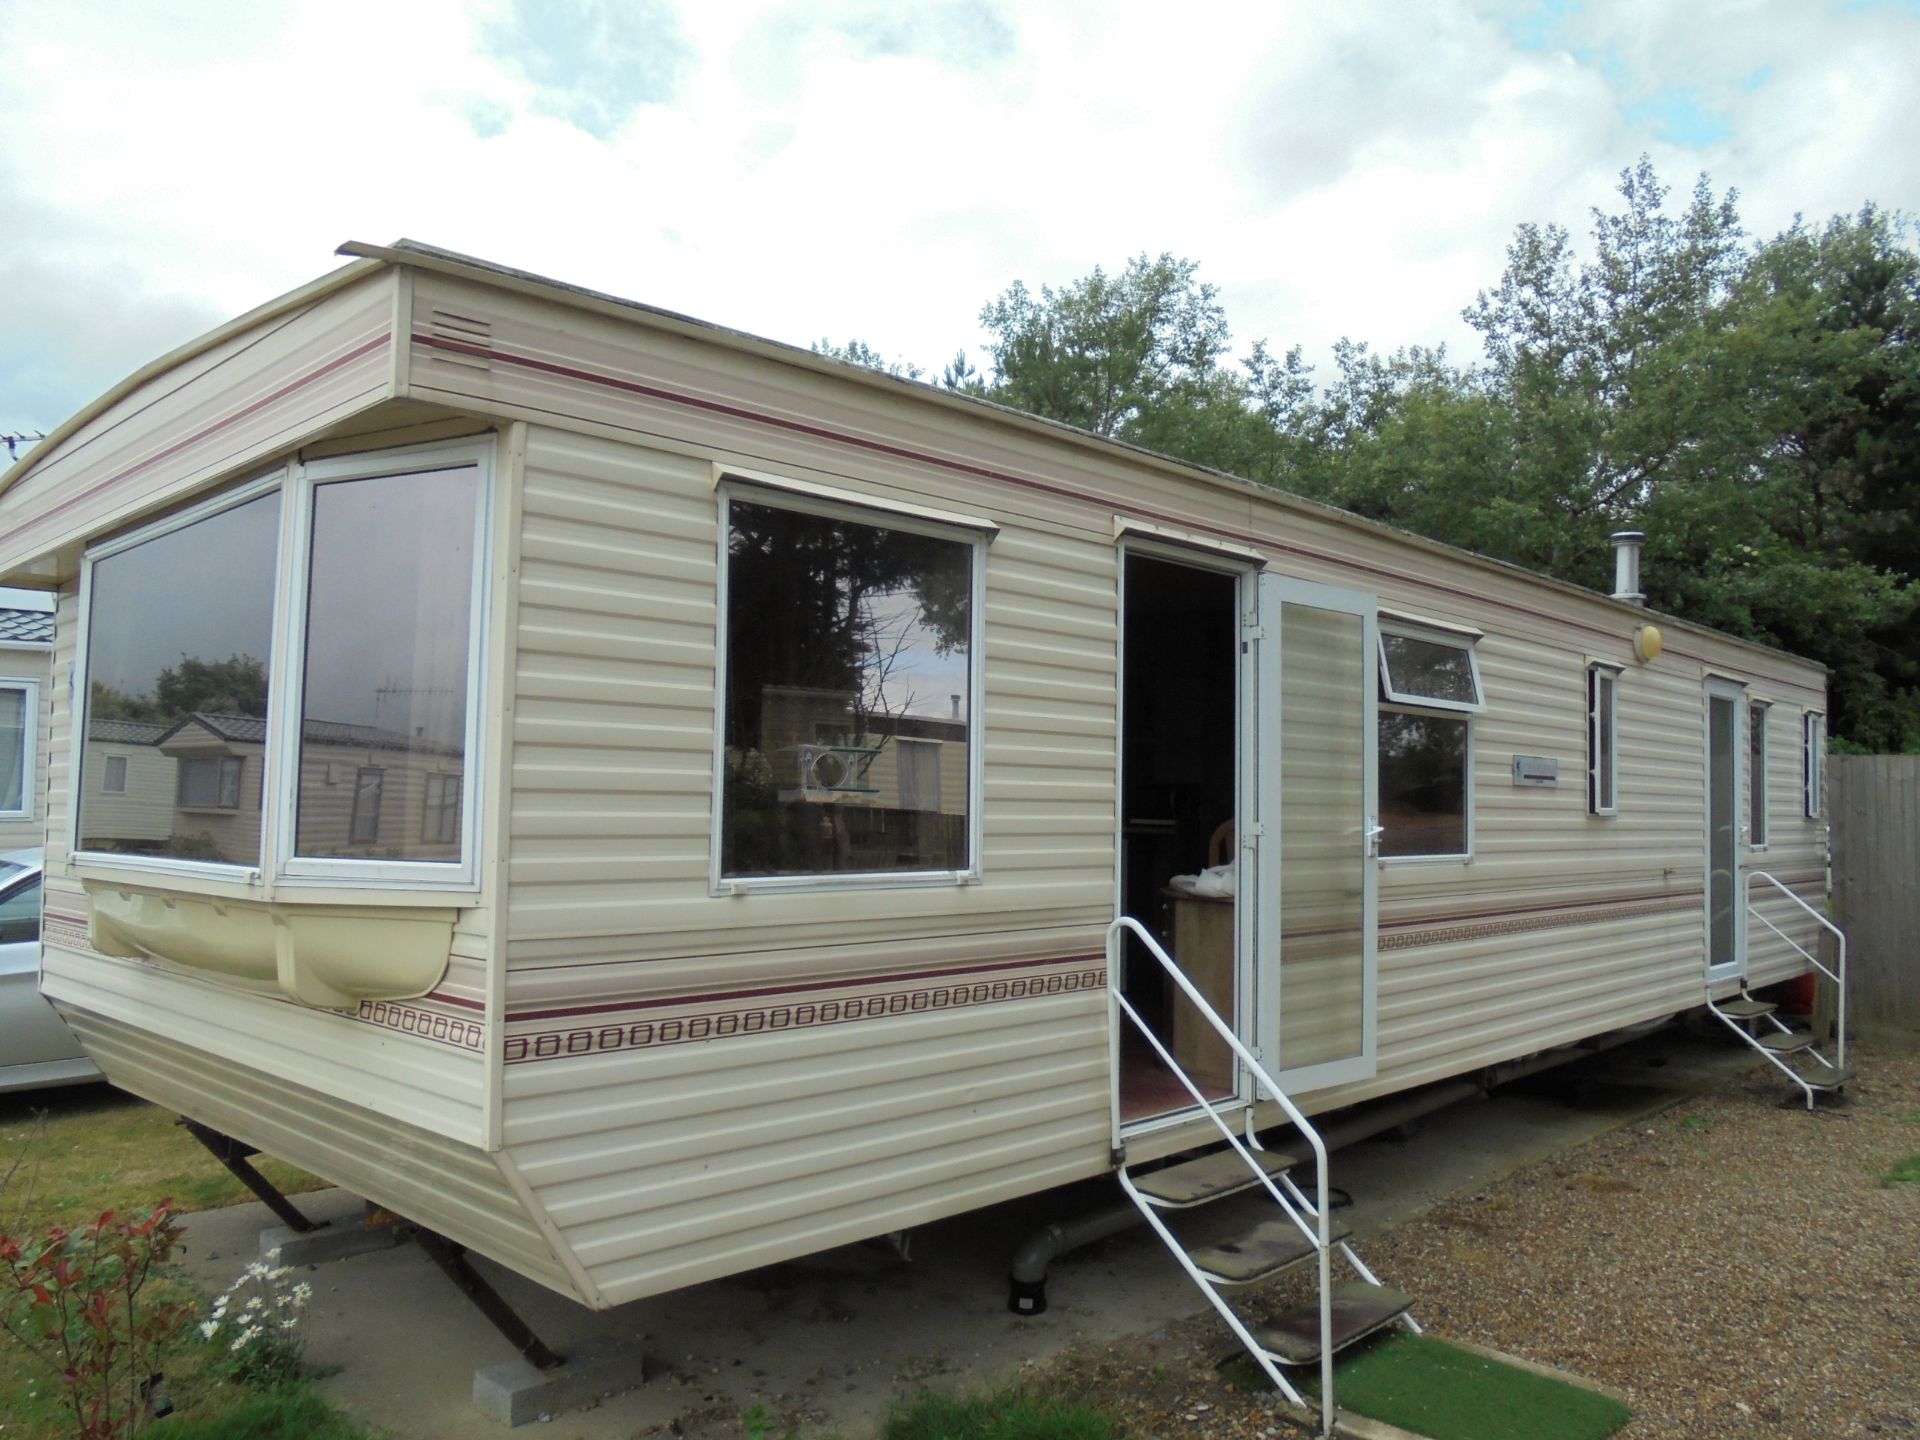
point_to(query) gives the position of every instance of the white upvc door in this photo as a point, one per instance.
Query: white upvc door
(1316, 863)
(1725, 903)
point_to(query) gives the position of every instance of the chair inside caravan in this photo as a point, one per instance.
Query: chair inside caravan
(1179, 868)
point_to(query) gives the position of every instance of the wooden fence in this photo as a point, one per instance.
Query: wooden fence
(1874, 801)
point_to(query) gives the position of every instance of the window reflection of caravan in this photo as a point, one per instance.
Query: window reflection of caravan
(773, 743)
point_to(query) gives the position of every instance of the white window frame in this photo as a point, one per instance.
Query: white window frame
(29, 746)
(220, 762)
(1599, 676)
(248, 872)
(296, 482)
(107, 787)
(1393, 702)
(771, 493)
(1813, 762)
(1413, 700)
(1757, 795)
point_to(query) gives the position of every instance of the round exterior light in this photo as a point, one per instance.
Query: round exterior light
(1647, 643)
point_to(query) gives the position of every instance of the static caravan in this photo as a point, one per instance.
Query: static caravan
(663, 800)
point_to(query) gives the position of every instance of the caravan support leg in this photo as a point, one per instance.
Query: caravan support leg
(232, 1154)
(452, 1259)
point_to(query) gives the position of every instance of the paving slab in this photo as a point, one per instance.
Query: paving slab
(831, 1340)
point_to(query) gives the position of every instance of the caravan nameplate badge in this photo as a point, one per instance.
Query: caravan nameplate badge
(1536, 770)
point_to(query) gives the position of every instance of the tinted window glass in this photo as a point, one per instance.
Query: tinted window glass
(1419, 669)
(1423, 784)
(178, 644)
(385, 701)
(847, 732)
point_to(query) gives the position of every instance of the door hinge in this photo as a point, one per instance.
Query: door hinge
(1253, 632)
(1250, 834)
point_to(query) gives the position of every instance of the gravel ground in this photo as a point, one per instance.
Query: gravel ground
(1734, 1264)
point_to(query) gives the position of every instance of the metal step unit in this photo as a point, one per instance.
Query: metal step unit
(1293, 1228)
(1758, 1024)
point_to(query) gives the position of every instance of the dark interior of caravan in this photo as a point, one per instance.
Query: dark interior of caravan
(1178, 765)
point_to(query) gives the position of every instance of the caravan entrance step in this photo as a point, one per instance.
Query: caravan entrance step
(1746, 1008)
(1825, 1077)
(1267, 1249)
(1194, 1182)
(1359, 1309)
(1786, 1042)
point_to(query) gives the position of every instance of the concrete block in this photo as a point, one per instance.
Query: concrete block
(515, 1393)
(334, 1240)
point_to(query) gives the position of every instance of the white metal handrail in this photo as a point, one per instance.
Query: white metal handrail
(1840, 955)
(1119, 1005)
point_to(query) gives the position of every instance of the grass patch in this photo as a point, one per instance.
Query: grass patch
(102, 1149)
(292, 1412)
(1007, 1416)
(85, 1149)
(1439, 1390)
(1905, 1172)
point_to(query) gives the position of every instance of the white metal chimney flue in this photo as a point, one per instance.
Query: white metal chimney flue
(1626, 565)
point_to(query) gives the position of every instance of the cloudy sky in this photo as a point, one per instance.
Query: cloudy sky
(879, 168)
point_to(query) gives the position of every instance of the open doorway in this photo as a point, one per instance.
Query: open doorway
(1179, 854)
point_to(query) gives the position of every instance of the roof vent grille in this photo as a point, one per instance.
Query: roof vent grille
(462, 339)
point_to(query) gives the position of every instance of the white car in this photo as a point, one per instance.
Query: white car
(36, 1048)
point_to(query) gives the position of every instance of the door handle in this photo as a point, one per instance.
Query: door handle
(1374, 832)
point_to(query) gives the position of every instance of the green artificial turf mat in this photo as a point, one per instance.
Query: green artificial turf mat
(1439, 1390)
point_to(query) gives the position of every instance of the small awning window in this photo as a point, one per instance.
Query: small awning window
(1431, 670)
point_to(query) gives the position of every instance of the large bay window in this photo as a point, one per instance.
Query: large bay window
(849, 683)
(304, 646)
(1429, 689)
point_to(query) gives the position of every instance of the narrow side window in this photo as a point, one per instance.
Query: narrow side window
(1603, 740)
(17, 724)
(1757, 774)
(1814, 745)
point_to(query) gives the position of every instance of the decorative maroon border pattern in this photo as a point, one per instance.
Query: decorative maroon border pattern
(1485, 925)
(764, 1013)
(435, 1025)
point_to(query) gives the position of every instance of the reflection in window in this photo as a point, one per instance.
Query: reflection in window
(178, 643)
(847, 682)
(113, 775)
(385, 697)
(20, 913)
(440, 823)
(1757, 774)
(209, 782)
(1813, 751)
(1418, 670)
(1423, 783)
(1603, 748)
(16, 749)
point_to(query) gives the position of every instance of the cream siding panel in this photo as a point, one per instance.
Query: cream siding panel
(688, 1163)
(426, 1085)
(34, 664)
(237, 404)
(453, 1188)
(615, 728)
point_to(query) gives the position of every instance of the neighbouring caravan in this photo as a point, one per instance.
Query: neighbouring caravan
(652, 801)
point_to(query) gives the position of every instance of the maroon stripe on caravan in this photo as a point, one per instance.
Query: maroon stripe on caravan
(848, 983)
(1461, 916)
(377, 343)
(881, 447)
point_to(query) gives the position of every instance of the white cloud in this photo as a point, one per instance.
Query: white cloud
(878, 171)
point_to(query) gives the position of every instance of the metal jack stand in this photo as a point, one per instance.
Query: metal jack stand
(234, 1155)
(452, 1260)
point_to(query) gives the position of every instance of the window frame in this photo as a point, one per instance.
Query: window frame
(772, 492)
(29, 746)
(107, 787)
(1813, 762)
(296, 481)
(1608, 806)
(1412, 700)
(1394, 702)
(1758, 793)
